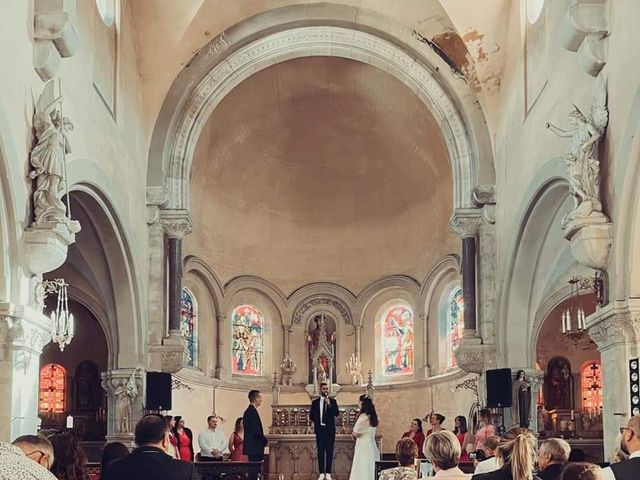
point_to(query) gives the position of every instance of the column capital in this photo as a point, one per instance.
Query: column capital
(466, 221)
(176, 223)
(124, 388)
(613, 325)
(23, 328)
(221, 317)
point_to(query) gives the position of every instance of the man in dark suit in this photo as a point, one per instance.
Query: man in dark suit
(323, 413)
(149, 461)
(553, 455)
(254, 439)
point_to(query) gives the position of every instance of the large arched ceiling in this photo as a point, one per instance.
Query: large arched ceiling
(321, 169)
(169, 33)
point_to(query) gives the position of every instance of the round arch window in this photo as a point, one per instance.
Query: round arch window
(107, 10)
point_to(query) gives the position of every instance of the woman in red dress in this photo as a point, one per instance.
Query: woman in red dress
(184, 437)
(236, 443)
(463, 437)
(416, 434)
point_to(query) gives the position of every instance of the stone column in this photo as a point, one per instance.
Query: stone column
(220, 323)
(125, 403)
(612, 330)
(357, 340)
(23, 333)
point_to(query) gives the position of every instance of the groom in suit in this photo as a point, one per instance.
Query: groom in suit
(254, 439)
(323, 413)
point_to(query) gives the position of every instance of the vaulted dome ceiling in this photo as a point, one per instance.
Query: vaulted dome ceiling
(321, 169)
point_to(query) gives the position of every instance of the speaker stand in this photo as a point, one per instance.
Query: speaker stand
(502, 429)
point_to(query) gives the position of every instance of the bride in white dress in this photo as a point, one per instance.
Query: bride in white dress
(365, 453)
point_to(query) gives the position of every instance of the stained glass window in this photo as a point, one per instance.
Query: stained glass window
(52, 389)
(248, 340)
(591, 380)
(397, 341)
(455, 323)
(189, 325)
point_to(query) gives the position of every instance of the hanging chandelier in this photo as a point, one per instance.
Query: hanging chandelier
(62, 322)
(573, 317)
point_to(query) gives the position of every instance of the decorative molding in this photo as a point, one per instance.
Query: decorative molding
(611, 326)
(176, 223)
(321, 300)
(466, 221)
(55, 35)
(584, 29)
(472, 355)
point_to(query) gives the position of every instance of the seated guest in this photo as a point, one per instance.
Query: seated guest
(236, 443)
(490, 463)
(629, 444)
(27, 458)
(184, 439)
(406, 453)
(552, 457)
(461, 433)
(112, 451)
(485, 431)
(442, 449)
(577, 455)
(582, 471)
(436, 420)
(212, 441)
(416, 434)
(149, 461)
(70, 459)
(173, 450)
(516, 453)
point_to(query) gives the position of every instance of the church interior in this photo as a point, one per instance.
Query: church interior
(213, 189)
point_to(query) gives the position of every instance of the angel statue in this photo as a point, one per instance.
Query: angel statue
(582, 161)
(48, 156)
(125, 393)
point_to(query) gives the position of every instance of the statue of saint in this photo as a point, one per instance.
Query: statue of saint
(313, 339)
(125, 394)
(521, 407)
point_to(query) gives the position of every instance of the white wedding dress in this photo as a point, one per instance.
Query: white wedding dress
(365, 453)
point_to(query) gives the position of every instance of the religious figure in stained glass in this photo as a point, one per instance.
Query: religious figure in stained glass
(397, 341)
(248, 340)
(189, 325)
(455, 323)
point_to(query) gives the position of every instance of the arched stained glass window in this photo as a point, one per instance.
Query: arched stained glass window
(247, 349)
(455, 323)
(591, 386)
(189, 325)
(397, 341)
(53, 391)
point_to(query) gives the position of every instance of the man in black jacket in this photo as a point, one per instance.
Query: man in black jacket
(323, 413)
(553, 455)
(254, 439)
(149, 461)
(630, 444)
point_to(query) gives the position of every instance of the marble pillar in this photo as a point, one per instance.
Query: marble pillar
(23, 333)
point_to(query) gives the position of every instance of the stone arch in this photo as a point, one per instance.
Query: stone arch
(277, 35)
(538, 242)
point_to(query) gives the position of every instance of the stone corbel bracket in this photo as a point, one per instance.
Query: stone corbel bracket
(46, 246)
(55, 35)
(473, 356)
(591, 242)
(584, 30)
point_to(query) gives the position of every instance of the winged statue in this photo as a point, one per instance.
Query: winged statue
(583, 166)
(48, 156)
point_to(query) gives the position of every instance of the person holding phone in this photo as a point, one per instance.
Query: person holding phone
(323, 413)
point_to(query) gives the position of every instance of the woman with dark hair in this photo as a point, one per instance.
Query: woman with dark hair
(236, 442)
(462, 435)
(416, 434)
(365, 453)
(70, 460)
(173, 450)
(436, 420)
(184, 439)
(112, 451)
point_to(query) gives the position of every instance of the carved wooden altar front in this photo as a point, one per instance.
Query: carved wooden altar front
(292, 443)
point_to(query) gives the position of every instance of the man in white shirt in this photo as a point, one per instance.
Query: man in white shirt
(214, 444)
(490, 463)
(28, 458)
(630, 444)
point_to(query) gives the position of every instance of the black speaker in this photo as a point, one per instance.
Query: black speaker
(158, 391)
(499, 388)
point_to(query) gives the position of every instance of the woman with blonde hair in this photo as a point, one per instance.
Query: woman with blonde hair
(516, 454)
(443, 450)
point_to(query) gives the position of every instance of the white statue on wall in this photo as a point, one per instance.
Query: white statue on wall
(583, 166)
(48, 157)
(354, 368)
(125, 394)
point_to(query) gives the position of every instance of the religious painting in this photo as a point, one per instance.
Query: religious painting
(559, 384)
(455, 323)
(189, 325)
(313, 338)
(87, 387)
(397, 341)
(247, 350)
(591, 380)
(53, 389)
